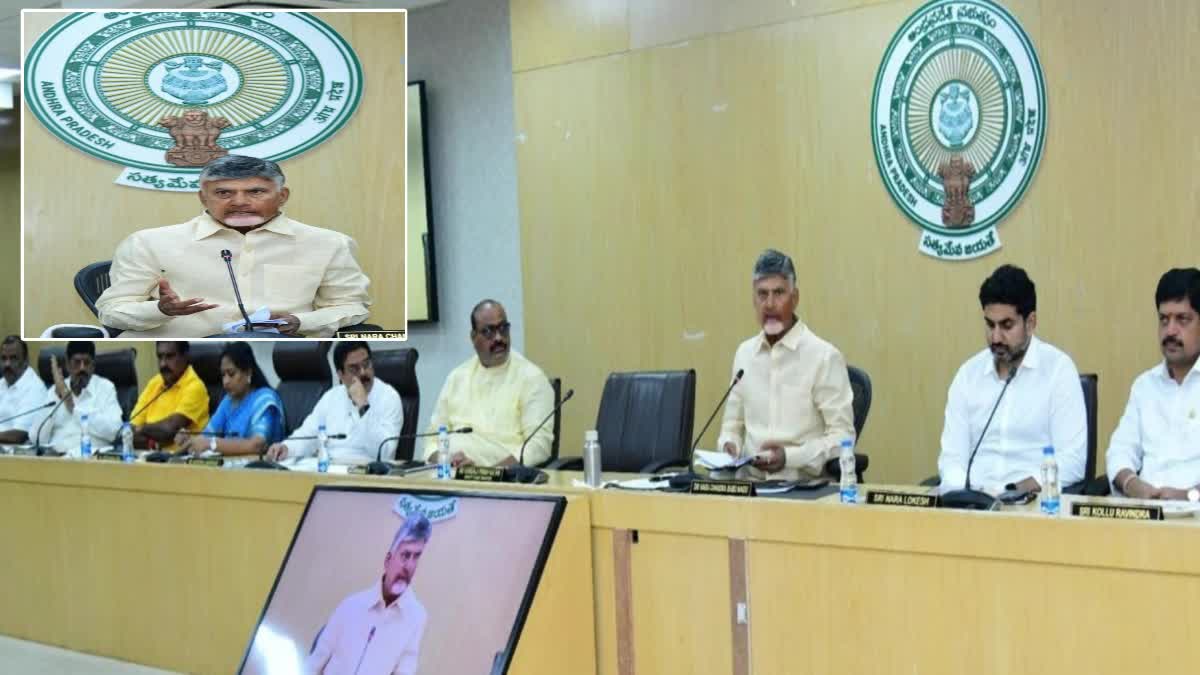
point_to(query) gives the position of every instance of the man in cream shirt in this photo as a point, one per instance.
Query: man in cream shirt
(377, 631)
(793, 406)
(21, 391)
(1155, 451)
(172, 281)
(499, 393)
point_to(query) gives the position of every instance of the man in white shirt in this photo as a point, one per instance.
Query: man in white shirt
(793, 406)
(21, 391)
(1042, 406)
(306, 276)
(377, 631)
(60, 427)
(364, 408)
(1155, 451)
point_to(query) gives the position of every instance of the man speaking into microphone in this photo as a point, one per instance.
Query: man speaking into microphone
(174, 400)
(377, 631)
(172, 282)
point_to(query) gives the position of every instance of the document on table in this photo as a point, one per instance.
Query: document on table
(720, 460)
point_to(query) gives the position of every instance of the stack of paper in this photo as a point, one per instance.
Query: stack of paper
(720, 460)
(260, 320)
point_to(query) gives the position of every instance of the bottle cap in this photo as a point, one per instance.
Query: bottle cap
(591, 435)
(1048, 450)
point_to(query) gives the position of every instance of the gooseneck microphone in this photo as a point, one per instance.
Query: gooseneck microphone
(263, 463)
(27, 412)
(684, 480)
(382, 468)
(228, 258)
(978, 499)
(519, 473)
(149, 403)
(37, 438)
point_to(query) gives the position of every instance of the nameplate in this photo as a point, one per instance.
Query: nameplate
(357, 469)
(108, 456)
(486, 474)
(727, 488)
(25, 452)
(886, 498)
(1114, 512)
(207, 461)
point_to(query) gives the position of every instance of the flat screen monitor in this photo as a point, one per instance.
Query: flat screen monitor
(388, 581)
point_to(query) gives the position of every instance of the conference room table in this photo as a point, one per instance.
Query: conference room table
(170, 565)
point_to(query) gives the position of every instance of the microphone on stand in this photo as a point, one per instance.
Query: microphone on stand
(117, 440)
(22, 414)
(519, 473)
(978, 499)
(228, 258)
(263, 463)
(162, 456)
(684, 480)
(37, 439)
(382, 468)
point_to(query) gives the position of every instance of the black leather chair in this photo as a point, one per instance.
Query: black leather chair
(860, 386)
(644, 423)
(206, 361)
(90, 284)
(304, 374)
(119, 366)
(398, 367)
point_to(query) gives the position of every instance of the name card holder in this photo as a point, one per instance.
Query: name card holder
(206, 461)
(725, 488)
(108, 456)
(485, 474)
(1117, 512)
(913, 499)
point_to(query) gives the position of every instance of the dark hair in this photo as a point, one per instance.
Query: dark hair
(182, 346)
(1009, 285)
(343, 349)
(1177, 284)
(479, 306)
(242, 357)
(16, 340)
(241, 166)
(81, 347)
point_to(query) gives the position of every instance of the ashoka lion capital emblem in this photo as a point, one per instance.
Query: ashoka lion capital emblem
(195, 135)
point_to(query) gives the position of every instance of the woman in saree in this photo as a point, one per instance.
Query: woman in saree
(250, 416)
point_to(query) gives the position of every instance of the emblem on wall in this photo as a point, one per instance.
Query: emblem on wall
(161, 93)
(958, 122)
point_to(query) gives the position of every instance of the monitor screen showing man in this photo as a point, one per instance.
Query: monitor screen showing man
(403, 582)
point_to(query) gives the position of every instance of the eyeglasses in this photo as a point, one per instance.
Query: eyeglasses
(360, 367)
(489, 332)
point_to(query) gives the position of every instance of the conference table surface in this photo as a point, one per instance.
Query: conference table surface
(637, 582)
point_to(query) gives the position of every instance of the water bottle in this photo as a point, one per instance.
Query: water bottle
(443, 454)
(849, 475)
(591, 458)
(127, 455)
(322, 449)
(1050, 489)
(85, 437)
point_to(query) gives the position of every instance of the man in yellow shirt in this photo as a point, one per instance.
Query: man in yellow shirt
(499, 393)
(174, 400)
(173, 282)
(794, 405)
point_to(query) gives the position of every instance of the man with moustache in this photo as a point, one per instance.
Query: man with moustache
(21, 391)
(793, 406)
(1155, 451)
(499, 393)
(171, 281)
(378, 631)
(1043, 405)
(174, 400)
(363, 407)
(84, 393)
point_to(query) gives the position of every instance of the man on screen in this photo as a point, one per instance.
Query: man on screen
(378, 631)
(173, 282)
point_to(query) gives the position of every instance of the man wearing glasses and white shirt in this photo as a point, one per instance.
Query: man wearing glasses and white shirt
(363, 407)
(1155, 451)
(1043, 405)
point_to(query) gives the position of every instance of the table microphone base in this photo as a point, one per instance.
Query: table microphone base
(519, 473)
(974, 500)
(682, 481)
(379, 468)
(158, 457)
(263, 463)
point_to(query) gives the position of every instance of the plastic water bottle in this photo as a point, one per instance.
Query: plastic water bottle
(127, 455)
(591, 458)
(322, 449)
(849, 476)
(1050, 488)
(443, 454)
(85, 437)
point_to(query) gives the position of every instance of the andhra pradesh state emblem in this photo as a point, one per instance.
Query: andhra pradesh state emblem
(162, 93)
(958, 122)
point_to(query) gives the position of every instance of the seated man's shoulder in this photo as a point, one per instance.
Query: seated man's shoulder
(528, 367)
(163, 234)
(321, 234)
(823, 347)
(385, 390)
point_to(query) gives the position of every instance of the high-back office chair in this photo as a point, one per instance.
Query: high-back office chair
(645, 422)
(206, 361)
(398, 367)
(860, 386)
(90, 284)
(118, 366)
(304, 375)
